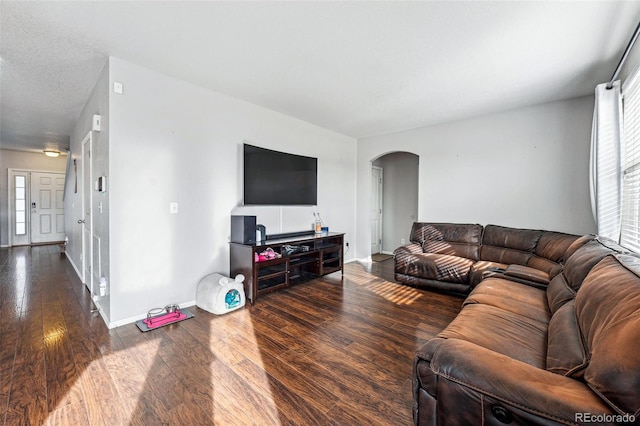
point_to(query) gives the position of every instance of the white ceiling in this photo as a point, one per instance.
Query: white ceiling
(358, 68)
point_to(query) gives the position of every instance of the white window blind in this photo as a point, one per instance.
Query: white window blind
(630, 229)
(606, 162)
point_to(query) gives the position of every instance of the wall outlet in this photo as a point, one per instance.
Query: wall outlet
(401, 240)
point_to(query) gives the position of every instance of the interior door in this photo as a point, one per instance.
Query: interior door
(376, 209)
(47, 208)
(87, 239)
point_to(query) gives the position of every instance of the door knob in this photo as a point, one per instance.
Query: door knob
(81, 221)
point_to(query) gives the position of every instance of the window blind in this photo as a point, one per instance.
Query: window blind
(605, 163)
(630, 227)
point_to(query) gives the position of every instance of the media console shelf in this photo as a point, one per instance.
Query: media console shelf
(324, 256)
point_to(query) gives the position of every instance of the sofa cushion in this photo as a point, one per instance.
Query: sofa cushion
(457, 232)
(586, 257)
(559, 293)
(470, 251)
(577, 244)
(549, 267)
(504, 255)
(566, 354)
(407, 249)
(550, 251)
(527, 273)
(481, 270)
(608, 312)
(511, 296)
(501, 331)
(553, 245)
(508, 245)
(448, 238)
(435, 267)
(472, 385)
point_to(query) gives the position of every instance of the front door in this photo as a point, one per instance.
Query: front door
(47, 209)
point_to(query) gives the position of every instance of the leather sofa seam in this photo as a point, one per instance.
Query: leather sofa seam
(500, 398)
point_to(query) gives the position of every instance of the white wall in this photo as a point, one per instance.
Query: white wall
(522, 168)
(170, 141)
(26, 161)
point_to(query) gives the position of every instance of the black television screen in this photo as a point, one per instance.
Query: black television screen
(277, 178)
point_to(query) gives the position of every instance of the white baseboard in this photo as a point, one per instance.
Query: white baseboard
(74, 265)
(96, 302)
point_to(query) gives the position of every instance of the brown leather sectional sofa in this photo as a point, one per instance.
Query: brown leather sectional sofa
(522, 352)
(456, 257)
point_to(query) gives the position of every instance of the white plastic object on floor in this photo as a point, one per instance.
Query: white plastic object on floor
(219, 294)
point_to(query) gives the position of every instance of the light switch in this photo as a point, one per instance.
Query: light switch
(173, 208)
(97, 123)
(118, 88)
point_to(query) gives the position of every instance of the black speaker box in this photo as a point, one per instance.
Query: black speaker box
(243, 229)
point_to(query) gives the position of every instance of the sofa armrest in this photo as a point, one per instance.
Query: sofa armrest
(520, 274)
(411, 248)
(527, 273)
(515, 383)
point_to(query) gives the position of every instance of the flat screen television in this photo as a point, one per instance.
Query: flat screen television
(273, 178)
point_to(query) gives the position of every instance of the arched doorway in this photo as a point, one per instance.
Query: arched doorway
(395, 197)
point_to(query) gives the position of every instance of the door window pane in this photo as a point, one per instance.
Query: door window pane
(20, 202)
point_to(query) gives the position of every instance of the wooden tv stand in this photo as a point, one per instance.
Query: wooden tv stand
(324, 256)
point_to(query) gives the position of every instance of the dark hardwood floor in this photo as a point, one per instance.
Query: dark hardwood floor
(334, 351)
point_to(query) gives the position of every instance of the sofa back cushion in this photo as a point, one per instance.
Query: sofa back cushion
(550, 251)
(607, 308)
(566, 353)
(508, 245)
(452, 239)
(577, 244)
(586, 257)
(558, 293)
